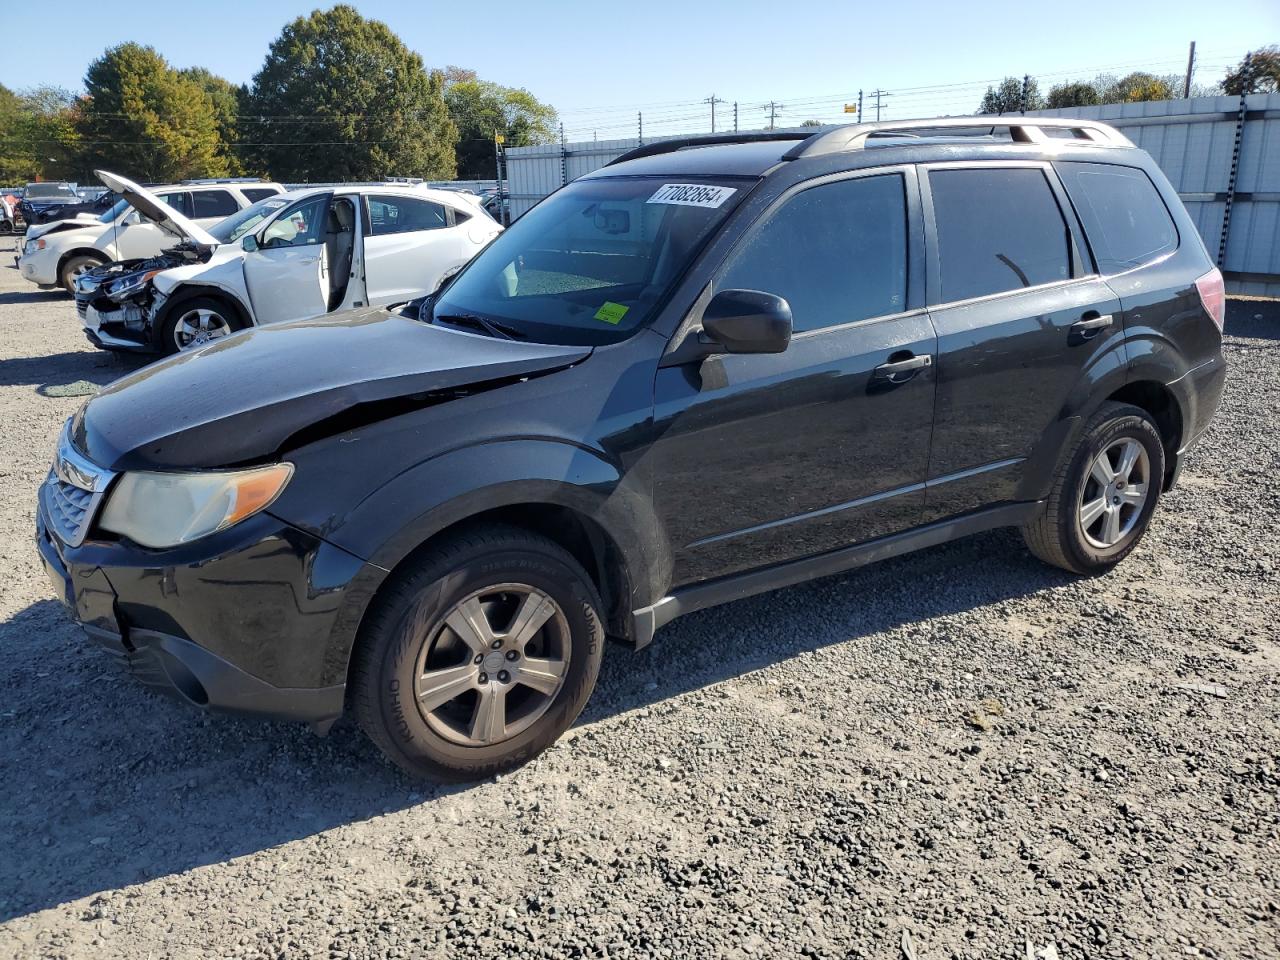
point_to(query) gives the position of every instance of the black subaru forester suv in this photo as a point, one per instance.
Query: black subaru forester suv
(715, 367)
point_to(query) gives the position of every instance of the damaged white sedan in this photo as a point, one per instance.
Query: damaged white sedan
(296, 255)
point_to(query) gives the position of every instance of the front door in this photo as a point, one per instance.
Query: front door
(1020, 316)
(766, 458)
(286, 275)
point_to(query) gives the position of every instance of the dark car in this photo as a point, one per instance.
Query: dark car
(42, 201)
(94, 207)
(716, 367)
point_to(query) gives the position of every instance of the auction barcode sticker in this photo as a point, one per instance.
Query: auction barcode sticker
(691, 194)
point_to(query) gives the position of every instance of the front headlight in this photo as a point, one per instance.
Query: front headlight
(166, 509)
(128, 286)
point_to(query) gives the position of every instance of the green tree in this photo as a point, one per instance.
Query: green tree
(1072, 94)
(812, 123)
(37, 135)
(1007, 97)
(1139, 86)
(146, 120)
(226, 98)
(340, 97)
(480, 109)
(1259, 72)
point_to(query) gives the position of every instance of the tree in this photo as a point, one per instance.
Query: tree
(37, 135)
(480, 109)
(812, 123)
(1007, 98)
(1259, 72)
(340, 97)
(1072, 94)
(146, 120)
(1138, 87)
(226, 98)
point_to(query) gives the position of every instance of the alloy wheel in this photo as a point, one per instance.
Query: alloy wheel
(1114, 493)
(197, 327)
(493, 666)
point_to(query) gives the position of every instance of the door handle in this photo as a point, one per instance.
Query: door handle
(898, 371)
(1089, 325)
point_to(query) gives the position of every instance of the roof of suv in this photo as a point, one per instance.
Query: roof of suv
(756, 153)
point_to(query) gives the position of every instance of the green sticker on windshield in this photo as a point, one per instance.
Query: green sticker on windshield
(612, 312)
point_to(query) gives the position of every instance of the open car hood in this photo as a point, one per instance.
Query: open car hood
(243, 398)
(156, 210)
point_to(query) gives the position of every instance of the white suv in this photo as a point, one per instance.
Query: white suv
(305, 253)
(54, 254)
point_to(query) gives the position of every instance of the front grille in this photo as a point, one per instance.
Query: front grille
(73, 492)
(82, 306)
(67, 508)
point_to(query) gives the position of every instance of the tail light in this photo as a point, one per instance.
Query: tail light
(1213, 296)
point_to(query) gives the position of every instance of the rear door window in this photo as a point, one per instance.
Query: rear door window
(1126, 221)
(209, 204)
(999, 229)
(837, 253)
(254, 194)
(404, 215)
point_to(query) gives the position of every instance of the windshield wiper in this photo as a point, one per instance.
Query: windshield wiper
(491, 327)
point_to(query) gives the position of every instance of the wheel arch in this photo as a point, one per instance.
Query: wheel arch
(91, 252)
(193, 291)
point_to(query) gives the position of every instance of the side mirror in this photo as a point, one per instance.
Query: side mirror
(748, 321)
(249, 243)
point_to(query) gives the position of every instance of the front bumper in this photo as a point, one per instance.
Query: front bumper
(32, 267)
(258, 619)
(108, 334)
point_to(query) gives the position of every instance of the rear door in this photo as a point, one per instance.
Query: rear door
(1020, 316)
(408, 247)
(286, 275)
(769, 457)
(209, 206)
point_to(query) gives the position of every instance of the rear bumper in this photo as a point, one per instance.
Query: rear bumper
(1199, 393)
(257, 624)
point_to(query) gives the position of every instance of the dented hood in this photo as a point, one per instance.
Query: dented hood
(240, 399)
(157, 211)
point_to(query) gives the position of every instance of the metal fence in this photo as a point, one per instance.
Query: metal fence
(1222, 154)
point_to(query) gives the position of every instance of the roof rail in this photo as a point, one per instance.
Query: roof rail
(201, 181)
(706, 140)
(1022, 129)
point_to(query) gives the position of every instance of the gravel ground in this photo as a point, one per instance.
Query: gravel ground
(957, 753)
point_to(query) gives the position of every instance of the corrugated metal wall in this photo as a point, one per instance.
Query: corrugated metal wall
(1192, 140)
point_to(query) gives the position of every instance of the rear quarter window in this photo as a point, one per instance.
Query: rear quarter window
(254, 194)
(1124, 217)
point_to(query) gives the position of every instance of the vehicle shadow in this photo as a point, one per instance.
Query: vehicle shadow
(33, 296)
(110, 784)
(49, 371)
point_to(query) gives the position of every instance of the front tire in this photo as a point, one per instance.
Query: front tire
(1104, 494)
(73, 268)
(196, 322)
(477, 658)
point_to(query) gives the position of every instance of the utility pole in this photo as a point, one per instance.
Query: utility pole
(1026, 90)
(773, 112)
(735, 116)
(1191, 66)
(713, 100)
(879, 95)
(640, 125)
(861, 115)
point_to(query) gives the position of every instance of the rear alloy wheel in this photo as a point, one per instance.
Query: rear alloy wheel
(74, 268)
(475, 659)
(1104, 494)
(195, 323)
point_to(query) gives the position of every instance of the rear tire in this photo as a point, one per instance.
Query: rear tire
(1104, 494)
(463, 704)
(75, 266)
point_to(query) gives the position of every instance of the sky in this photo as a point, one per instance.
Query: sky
(600, 63)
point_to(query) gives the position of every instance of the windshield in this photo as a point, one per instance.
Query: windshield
(38, 190)
(238, 224)
(591, 263)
